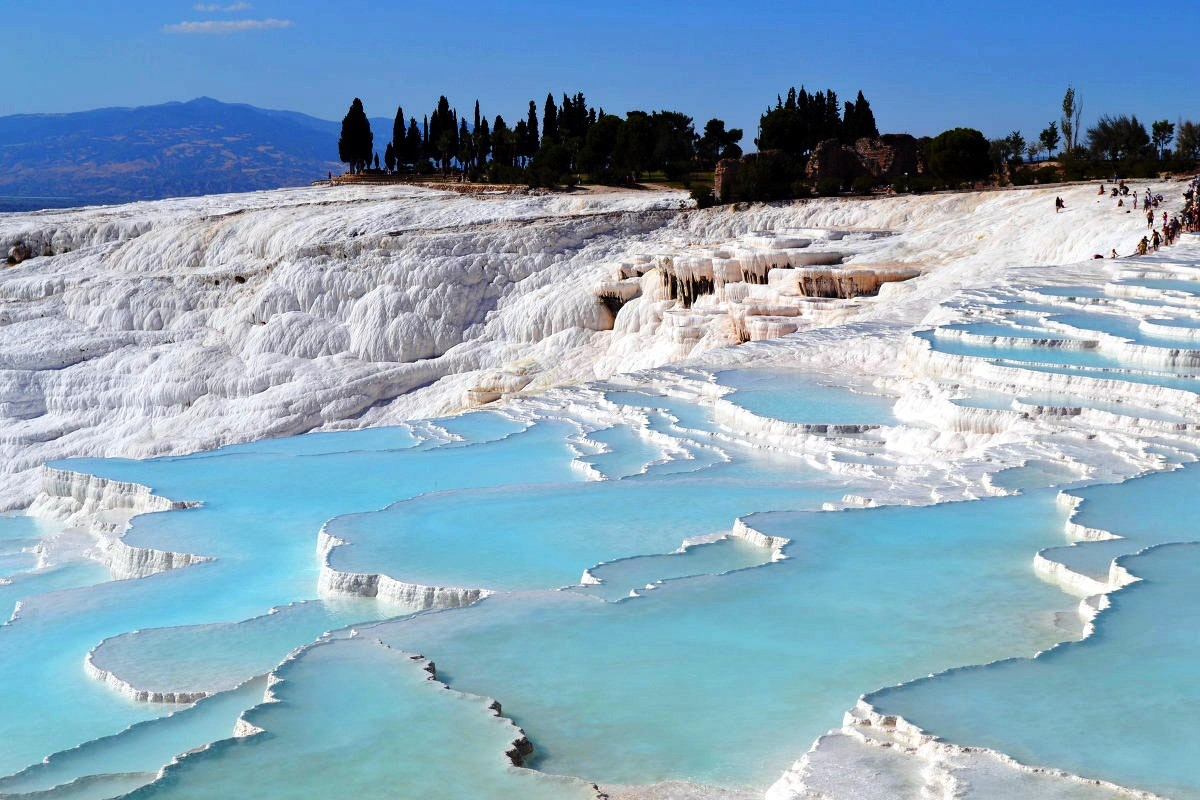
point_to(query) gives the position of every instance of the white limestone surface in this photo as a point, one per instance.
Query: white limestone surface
(186, 324)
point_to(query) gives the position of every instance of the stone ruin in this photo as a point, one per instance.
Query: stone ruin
(885, 159)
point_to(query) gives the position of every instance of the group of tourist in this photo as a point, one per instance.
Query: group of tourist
(1187, 220)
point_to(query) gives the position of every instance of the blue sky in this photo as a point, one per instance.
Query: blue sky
(924, 67)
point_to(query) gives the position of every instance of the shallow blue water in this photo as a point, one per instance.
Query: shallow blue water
(1168, 284)
(1133, 679)
(723, 679)
(795, 396)
(1138, 672)
(543, 537)
(355, 719)
(261, 515)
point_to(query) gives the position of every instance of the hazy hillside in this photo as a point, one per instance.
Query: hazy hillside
(114, 155)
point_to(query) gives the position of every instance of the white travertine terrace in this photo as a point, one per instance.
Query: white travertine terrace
(181, 325)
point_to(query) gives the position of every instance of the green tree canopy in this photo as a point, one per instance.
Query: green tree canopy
(959, 155)
(597, 152)
(718, 143)
(801, 122)
(633, 151)
(674, 143)
(1049, 138)
(1116, 138)
(1161, 133)
(1187, 139)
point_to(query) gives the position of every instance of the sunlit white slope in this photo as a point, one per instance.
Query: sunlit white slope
(185, 324)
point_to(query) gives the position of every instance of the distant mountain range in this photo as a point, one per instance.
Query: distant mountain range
(203, 146)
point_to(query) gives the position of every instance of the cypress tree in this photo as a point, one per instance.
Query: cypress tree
(466, 148)
(412, 144)
(549, 121)
(865, 117)
(356, 143)
(566, 118)
(502, 146)
(398, 132)
(520, 140)
(849, 132)
(389, 157)
(531, 131)
(483, 142)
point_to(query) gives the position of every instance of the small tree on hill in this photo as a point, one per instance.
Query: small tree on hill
(1016, 143)
(1161, 133)
(1187, 139)
(1116, 138)
(356, 144)
(1049, 138)
(1072, 110)
(718, 143)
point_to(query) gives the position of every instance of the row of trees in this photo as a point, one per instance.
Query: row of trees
(1121, 139)
(569, 138)
(802, 121)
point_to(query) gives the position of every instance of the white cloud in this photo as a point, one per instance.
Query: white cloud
(214, 7)
(226, 25)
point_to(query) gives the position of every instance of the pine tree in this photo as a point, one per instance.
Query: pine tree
(356, 143)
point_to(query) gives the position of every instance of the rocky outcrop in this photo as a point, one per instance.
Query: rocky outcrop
(891, 155)
(832, 160)
(18, 253)
(884, 159)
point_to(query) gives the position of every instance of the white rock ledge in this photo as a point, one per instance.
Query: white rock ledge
(416, 596)
(105, 509)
